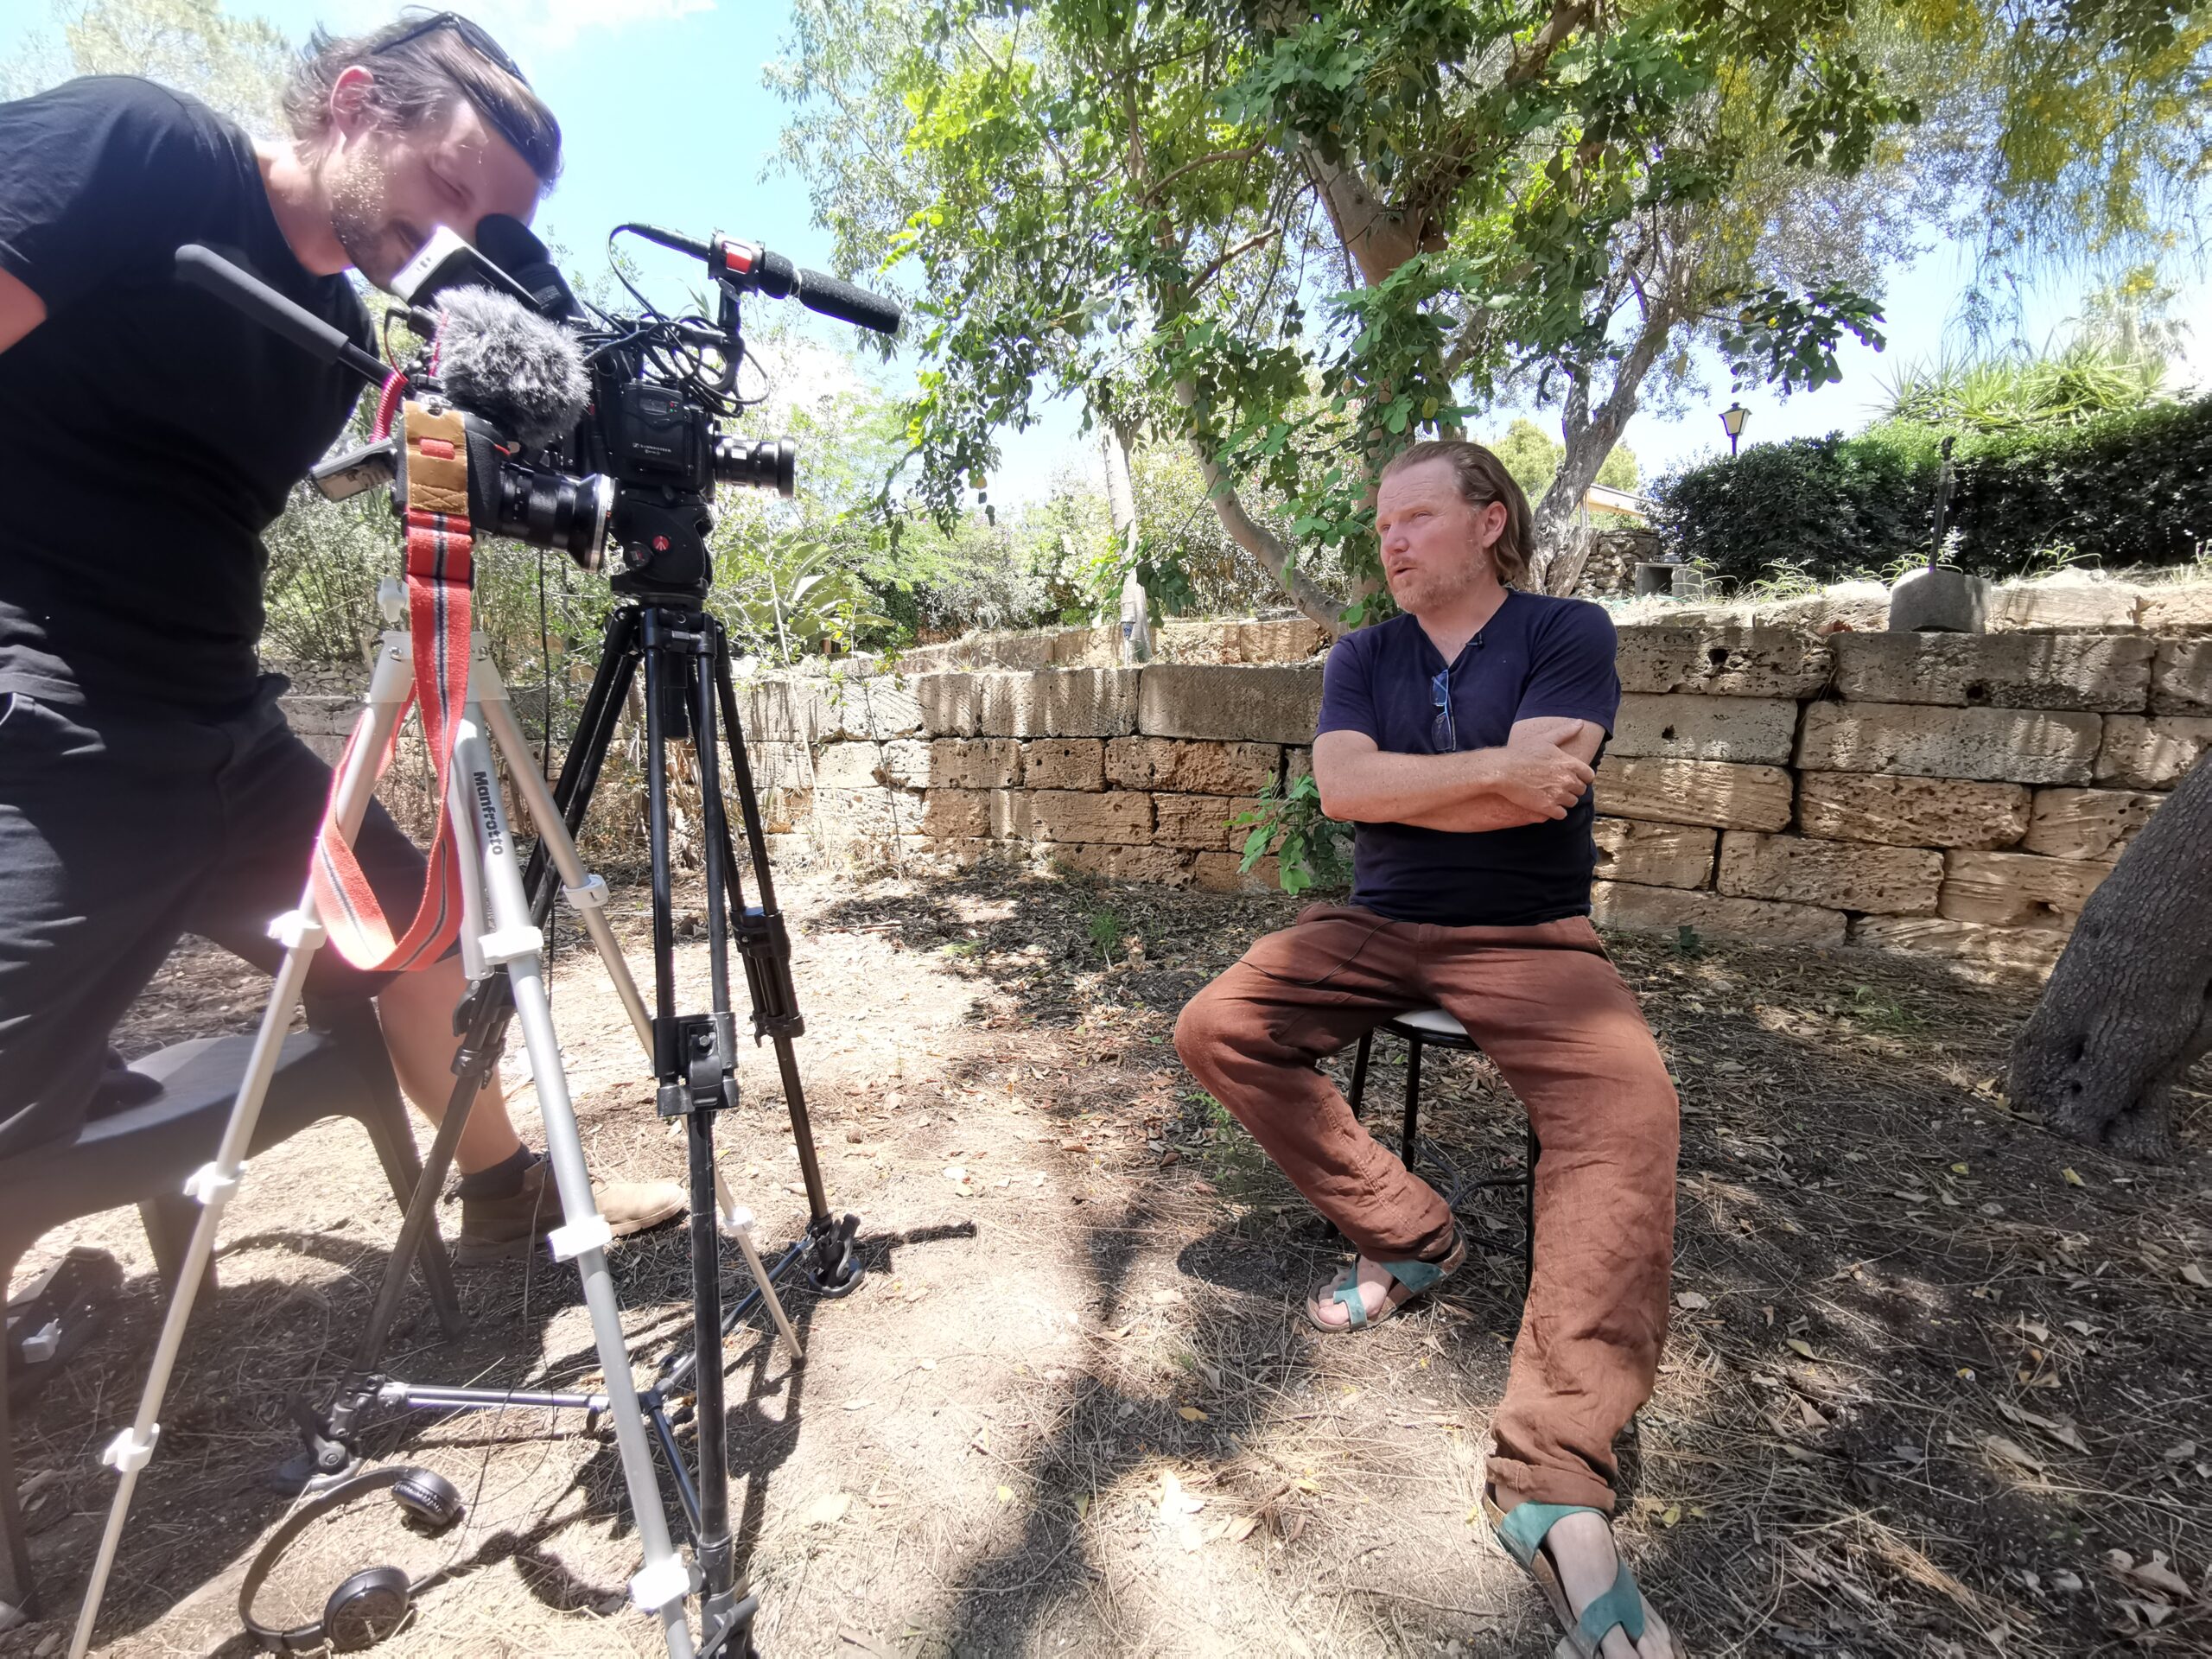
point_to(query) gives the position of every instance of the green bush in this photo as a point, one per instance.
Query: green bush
(2126, 489)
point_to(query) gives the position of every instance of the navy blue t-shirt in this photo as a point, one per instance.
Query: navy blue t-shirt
(1538, 657)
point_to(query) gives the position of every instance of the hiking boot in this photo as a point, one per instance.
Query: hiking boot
(494, 1228)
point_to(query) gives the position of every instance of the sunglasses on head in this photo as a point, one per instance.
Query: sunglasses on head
(476, 40)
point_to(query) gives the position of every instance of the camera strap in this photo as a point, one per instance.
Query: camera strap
(438, 576)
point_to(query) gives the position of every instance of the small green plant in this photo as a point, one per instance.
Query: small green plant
(1687, 943)
(961, 949)
(1105, 932)
(1880, 1011)
(1311, 849)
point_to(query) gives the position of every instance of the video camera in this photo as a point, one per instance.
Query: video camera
(583, 431)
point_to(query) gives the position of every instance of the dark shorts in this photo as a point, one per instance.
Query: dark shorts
(121, 832)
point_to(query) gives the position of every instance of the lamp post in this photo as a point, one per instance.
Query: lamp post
(1732, 418)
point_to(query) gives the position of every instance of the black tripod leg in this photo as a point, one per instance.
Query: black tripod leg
(764, 942)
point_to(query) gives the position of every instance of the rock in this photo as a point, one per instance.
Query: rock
(1267, 705)
(2010, 951)
(848, 766)
(2071, 598)
(1694, 792)
(2150, 753)
(1834, 875)
(2018, 889)
(1160, 866)
(1653, 854)
(1730, 660)
(1624, 904)
(2176, 606)
(1056, 702)
(1199, 821)
(1065, 763)
(1910, 812)
(1939, 598)
(1690, 726)
(1191, 768)
(1987, 744)
(2180, 684)
(1119, 817)
(2087, 823)
(2105, 672)
(1218, 873)
(953, 762)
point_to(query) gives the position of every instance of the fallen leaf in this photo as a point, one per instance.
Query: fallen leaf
(2155, 1573)
(1006, 1494)
(2195, 1276)
(2012, 1451)
(1690, 1301)
(858, 1405)
(827, 1510)
(2072, 1180)
(1799, 1347)
(1241, 1529)
(2181, 1453)
(1161, 1298)
(1191, 1413)
(867, 1645)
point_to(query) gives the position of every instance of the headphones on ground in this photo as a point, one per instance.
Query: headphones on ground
(373, 1603)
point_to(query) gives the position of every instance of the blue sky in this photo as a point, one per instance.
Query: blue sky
(667, 122)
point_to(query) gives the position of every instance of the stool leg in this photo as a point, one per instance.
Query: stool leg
(390, 1134)
(22, 1594)
(169, 1221)
(1409, 1137)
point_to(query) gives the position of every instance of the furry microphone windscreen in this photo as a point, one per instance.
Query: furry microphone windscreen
(499, 360)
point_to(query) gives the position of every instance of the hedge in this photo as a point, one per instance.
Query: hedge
(2131, 489)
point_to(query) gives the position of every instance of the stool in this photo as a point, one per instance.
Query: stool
(140, 1154)
(1433, 1028)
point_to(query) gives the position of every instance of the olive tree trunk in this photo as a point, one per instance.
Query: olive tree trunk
(2129, 1008)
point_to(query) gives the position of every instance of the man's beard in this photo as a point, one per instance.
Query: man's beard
(1430, 588)
(377, 246)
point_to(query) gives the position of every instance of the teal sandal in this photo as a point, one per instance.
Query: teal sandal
(1523, 1530)
(1416, 1278)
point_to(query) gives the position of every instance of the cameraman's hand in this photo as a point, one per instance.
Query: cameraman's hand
(1538, 777)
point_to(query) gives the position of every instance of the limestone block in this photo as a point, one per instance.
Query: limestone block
(1910, 812)
(2180, 684)
(2176, 606)
(956, 812)
(1199, 821)
(2109, 673)
(2087, 823)
(1937, 598)
(1653, 854)
(2152, 753)
(1160, 866)
(1065, 763)
(1263, 705)
(780, 765)
(314, 714)
(783, 710)
(2023, 950)
(1839, 874)
(2069, 599)
(846, 814)
(1710, 793)
(1056, 702)
(1118, 817)
(1861, 605)
(849, 766)
(1684, 726)
(2019, 746)
(1732, 660)
(1287, 639)
(784, 811)
(2019, 889)
(1191, 768)
(1625, 904)
(876, 708)
(1218, 873)
(949, 703)
(953, 762)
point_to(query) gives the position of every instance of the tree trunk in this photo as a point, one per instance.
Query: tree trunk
(1121, 505)
(1311, 598)
(2129, 1008)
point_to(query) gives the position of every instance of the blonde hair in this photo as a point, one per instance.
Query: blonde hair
(1481, 479)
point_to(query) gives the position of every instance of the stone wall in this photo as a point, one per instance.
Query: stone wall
(1956, 794)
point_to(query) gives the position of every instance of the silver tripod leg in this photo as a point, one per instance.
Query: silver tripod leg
(214, 1183)
(665, 1582)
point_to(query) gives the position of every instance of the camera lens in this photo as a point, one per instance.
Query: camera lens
(553, 510)
(758, 463)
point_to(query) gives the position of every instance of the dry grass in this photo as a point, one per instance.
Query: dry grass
(1919, 1377)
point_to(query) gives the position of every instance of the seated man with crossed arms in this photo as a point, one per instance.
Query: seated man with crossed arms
(1459, 737)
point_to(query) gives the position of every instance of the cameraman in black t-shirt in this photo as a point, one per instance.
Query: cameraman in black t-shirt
(148, 784)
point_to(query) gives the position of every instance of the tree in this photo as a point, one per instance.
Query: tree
(1294, 239)
(2126, 1011)
(234, 65)
(1533, 458)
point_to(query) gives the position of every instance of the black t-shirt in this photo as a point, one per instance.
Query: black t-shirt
(148, 432)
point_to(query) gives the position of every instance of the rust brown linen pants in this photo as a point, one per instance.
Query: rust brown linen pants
(1548, 1008)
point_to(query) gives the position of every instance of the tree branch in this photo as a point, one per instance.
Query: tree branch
(1236, 253)
(1175, 172)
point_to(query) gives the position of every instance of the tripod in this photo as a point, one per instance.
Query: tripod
(687, 685)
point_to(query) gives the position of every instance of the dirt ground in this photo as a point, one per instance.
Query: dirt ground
(1938, 1381)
